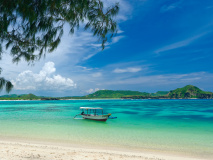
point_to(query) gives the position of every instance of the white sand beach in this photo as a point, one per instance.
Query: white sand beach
(19, 150)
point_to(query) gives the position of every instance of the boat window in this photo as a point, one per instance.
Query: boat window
(99, 112)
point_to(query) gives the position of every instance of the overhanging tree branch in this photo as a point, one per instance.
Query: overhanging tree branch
(32, 28)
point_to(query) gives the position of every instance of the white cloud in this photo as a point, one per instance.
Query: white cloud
(170, 7)
(98, 46)
(48, 68)
(59, 81)
(116, 39)
(89, 56)
(130, 69)
(120, 31)
(92, 90)
(156, 80)
(180, 43)
(85, 68)
(98, 74)
(44, 80)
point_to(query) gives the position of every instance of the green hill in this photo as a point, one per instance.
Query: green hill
(160, 93)
(189, 91)
(18, 97)
(115, 94)
(29, 96)
(10, 96)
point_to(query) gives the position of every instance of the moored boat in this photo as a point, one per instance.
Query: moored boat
(93, 114)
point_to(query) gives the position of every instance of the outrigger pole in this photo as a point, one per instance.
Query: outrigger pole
(76, 116)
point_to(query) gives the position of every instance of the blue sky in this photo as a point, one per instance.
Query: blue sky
(160, 45)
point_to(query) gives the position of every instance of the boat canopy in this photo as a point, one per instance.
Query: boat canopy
(89, 108)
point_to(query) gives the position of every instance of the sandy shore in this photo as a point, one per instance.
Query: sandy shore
(29, 151)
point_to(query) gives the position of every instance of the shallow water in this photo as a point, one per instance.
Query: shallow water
(184, 126)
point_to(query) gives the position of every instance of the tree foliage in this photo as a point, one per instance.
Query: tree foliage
(32, 28)
(116, 94)
(189, 91)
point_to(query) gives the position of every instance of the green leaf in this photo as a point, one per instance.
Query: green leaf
(9, 86)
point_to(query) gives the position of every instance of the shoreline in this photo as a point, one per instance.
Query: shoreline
(20, 149)
(114, 99)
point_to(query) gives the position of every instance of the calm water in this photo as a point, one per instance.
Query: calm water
(162, 125)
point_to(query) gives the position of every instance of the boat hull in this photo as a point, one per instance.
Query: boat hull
(96, 117)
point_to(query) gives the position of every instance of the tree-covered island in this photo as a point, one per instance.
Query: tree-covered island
(187, 92)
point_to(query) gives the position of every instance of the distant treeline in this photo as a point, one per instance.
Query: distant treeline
(20, 97)
(186, 92)
(145, 97)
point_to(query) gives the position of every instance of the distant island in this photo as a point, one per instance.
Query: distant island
(187, 92)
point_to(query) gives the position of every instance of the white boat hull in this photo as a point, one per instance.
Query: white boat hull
(96, 117)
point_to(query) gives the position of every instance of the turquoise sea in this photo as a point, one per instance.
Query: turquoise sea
(174, 126)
